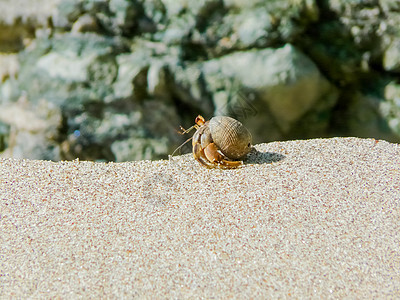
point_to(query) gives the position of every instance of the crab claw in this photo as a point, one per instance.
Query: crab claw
(198, 153)
(217, 158)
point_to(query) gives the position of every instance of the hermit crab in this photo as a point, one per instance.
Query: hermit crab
(220, 142)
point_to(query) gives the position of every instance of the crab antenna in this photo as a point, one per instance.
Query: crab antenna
(180, 147)
(189, 129)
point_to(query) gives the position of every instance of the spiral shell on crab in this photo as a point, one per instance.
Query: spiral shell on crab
(230, 136)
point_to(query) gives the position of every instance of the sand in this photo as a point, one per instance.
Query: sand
(301, 219)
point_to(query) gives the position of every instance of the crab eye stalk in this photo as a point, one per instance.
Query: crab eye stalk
(200, 120)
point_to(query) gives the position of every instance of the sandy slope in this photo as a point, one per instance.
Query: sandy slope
(315, 218)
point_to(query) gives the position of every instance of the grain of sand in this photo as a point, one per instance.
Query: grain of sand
(304, 219)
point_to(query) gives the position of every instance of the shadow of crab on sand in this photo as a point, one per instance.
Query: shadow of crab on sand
(258, 157)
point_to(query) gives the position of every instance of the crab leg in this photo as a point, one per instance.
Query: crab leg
(198, 153)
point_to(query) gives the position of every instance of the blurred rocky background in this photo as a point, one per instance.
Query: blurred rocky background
(112, 80)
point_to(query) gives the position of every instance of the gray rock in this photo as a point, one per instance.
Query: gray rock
(132, 68)
(189, 86)
(391, 59)
(9, 66)
(253, 27)
(70, 68)
(21, 20)
(389, 109)
(366, 119)
(284, 79)
(86, 23)
(33, 131)
(125, 13)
